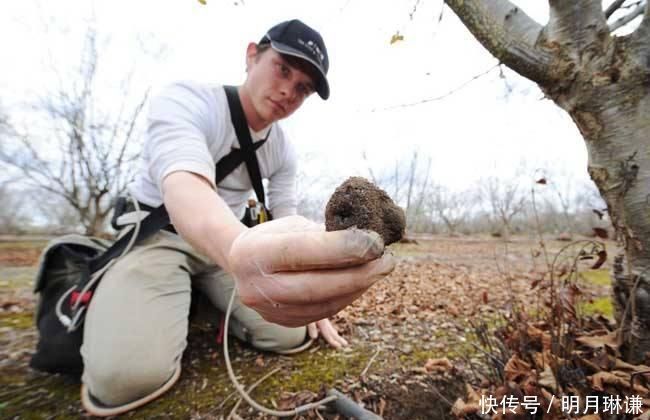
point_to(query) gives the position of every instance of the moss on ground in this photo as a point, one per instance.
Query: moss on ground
(601, 306)
(599, 277)
(38, 396)
(15, 278)
(17, 320)
(203, 388)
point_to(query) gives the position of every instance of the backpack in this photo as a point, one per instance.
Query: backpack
(71, 267)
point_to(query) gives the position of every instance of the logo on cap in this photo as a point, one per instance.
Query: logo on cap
(314, 49)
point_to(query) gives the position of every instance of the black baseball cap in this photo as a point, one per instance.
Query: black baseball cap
(299, 40)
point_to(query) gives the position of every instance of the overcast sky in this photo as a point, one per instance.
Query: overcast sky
(487, 127)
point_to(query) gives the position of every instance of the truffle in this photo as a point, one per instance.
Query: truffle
(358, 202)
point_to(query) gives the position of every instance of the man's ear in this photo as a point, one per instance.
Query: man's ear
(251, 53)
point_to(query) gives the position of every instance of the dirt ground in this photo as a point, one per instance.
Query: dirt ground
(412, 337)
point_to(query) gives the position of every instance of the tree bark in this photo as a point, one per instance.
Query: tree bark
(603, 82)
(508, 33)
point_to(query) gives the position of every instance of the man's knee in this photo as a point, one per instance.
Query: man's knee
(273, 337)
(125, 382)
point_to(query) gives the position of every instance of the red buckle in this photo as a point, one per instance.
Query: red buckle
(221, 329)
(84, 298)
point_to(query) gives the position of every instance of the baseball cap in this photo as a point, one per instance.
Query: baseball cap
(295, 38)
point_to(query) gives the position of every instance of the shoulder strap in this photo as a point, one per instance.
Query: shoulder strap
(231, 161)
(245, 142)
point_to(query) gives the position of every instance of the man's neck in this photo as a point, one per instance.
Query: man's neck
(254, 121)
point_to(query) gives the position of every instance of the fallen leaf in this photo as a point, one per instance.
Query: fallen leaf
(290, 400)
(472, 396)
(600, 379)
(542, 337)
(547, 379)
(439, 365)
(599, 341)
(462, 409)
(516, 369)
(396, 38)
(550, 398)
(620, 364)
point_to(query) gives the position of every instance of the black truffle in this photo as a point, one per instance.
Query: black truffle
(358, 202)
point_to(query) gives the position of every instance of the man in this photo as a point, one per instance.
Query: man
(288, 273)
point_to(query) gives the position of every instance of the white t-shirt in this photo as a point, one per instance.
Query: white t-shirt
(189, 129)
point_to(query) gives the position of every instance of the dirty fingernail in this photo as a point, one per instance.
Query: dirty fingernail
(387, 265)
(366, 243)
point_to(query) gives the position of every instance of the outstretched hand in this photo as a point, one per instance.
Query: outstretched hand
(294, 273)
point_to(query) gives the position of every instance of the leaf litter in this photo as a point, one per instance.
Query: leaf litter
(458, 319)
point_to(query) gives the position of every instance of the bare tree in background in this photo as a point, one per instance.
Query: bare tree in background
(504, 199)
(564, 188)
(312, 191)
(81, 153)
(407, 182)
(452, 207)
(602, 81)
(13, 217)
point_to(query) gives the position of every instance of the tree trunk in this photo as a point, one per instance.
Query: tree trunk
(603, 82)
(613, 116)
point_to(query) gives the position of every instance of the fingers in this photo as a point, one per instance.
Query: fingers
(311, 250)
(300, 315)
(319, 286)
(330, 334)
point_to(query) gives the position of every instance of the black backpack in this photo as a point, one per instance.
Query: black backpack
(70, 267)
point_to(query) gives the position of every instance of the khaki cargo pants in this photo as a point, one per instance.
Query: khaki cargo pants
(136, 327)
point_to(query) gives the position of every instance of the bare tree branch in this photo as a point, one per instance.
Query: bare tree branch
(642, 34)
(636, 12)
(613, 7)
(411, 181)
(87, 148)
(444, 95)
(372, 175)
(509, 34)
(645, 23)
(425, 185)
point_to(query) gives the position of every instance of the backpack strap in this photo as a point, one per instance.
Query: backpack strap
(231, 161)
(245, 142)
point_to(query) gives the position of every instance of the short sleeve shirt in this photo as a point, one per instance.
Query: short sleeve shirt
(189, 129)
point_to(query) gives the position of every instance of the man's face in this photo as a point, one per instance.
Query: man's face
(275, 87)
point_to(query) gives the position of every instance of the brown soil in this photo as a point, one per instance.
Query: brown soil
(358, 202)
